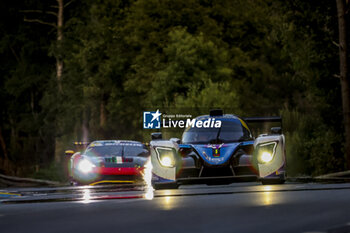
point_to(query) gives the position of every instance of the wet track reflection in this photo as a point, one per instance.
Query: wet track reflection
(244, 207)
(87, 194)
(268, 197)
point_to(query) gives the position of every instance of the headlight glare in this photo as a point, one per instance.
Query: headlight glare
(167, 161)
(166, 156)
(85, 166)
(266, 157)
(265, 152)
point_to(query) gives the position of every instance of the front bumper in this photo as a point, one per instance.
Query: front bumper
(109, 175)
(215, 180)
(131, 171)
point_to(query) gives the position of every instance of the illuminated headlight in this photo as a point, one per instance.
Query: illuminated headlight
(85, 166)
(266, 152)
(266, 157)
(166, 156)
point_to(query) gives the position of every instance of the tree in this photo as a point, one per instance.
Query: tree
(122, 57)
(343, 18)
(59, 28)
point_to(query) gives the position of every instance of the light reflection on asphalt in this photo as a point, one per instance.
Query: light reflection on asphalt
(168, 203)
(86, 196)
(149, 195)
(265, 194)
(167, 200)
(147, 177)
(267, 197)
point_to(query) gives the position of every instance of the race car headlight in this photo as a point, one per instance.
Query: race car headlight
(85, 166)
(266, 152)
(166, 156)
(266, 157)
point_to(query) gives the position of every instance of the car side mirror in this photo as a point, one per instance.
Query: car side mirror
(276, 130)
(156, 136)
(144, 153)
(176, 140)
(69, 152)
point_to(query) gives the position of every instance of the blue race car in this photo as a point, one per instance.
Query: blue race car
(221, 155)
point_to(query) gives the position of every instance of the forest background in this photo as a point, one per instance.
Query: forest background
(85, 70)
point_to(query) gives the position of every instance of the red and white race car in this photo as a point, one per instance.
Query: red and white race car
(108, 161)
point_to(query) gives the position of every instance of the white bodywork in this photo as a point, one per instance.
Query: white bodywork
(279, 157)
(168, 173)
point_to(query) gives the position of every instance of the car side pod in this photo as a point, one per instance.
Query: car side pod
(270, 158)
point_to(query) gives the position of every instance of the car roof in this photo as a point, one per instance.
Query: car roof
(220, 117)
(226, 117)
(125, 142)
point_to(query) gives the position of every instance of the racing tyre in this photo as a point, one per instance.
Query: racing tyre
(74, 183)
(165, 186)
(272, 181)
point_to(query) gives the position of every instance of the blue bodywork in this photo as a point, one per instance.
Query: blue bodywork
(225, 153)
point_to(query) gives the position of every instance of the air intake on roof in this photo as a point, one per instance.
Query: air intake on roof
(216, 112)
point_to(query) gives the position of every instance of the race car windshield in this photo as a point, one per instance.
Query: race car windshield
(117, 150)
(230, 131)
(104, 151)
(139, 150)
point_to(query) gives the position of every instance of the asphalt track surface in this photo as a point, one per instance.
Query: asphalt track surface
(240, 207)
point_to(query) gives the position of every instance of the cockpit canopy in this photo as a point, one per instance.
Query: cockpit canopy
(232, 129)
(117, 148)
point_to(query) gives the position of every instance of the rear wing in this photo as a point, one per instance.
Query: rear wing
(81, 143)
(263, 119)
(79, 146)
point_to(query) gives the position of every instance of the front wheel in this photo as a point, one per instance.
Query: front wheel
(159, 186)
(272, 181)
(74, 183)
